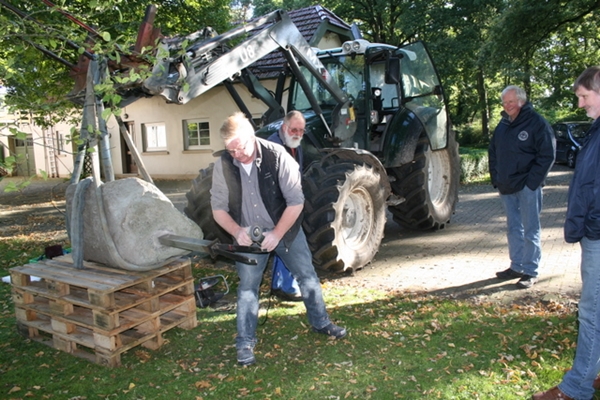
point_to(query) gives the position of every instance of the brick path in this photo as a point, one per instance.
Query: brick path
(462, 259)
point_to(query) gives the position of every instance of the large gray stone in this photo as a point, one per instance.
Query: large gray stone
(136, 213)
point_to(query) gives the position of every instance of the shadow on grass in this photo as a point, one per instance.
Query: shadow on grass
(400, 345)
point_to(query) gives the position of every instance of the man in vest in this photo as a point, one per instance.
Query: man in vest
(257, 183)
(283, 283)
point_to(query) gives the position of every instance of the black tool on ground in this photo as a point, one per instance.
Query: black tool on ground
(53, 251)
(213, 248)
(206, 291)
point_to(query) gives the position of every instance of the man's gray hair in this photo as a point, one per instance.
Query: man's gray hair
(293, 114)
(521, 95)
(589, 79)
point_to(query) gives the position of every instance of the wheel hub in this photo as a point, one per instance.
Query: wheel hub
(357, 218)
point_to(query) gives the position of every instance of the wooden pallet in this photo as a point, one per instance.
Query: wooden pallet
(99, 312)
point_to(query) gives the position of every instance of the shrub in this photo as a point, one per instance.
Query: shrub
(473, 165)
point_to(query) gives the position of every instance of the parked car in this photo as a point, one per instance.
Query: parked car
(568, 140)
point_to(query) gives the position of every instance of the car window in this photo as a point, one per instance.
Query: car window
(579, 131)
(560, 131)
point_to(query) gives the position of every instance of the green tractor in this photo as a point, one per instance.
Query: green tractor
(377, 138)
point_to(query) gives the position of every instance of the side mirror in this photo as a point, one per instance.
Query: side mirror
(392, 70)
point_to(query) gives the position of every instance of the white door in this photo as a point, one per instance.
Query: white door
(25, 157)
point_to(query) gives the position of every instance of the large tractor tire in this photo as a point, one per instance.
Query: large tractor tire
(344, 214)
(198, 207)
(429, 186)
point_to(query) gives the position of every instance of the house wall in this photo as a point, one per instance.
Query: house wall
(175, 162)
(329, 41)
(47, 148)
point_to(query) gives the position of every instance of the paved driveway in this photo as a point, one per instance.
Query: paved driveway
(462, 259)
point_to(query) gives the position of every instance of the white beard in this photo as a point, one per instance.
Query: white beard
(291, 142)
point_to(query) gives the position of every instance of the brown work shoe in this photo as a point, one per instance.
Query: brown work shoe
(596, 383)
(553, 394)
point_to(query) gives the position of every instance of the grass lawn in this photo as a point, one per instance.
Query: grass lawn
(399, 346)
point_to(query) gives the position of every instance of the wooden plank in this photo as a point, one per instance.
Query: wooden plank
(19, 279)
(63, 345)
(100, 279)
(60, 307)
(62, 327)
(94, 273)
(55, 274)
(110, 342)
(108, 359)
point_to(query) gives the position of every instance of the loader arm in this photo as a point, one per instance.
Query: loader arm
(205, 65)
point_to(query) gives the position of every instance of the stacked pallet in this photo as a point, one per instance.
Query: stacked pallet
(99, 312)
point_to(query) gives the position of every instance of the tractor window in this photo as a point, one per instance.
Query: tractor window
(347, 73)
(422, 93)
(389, 92)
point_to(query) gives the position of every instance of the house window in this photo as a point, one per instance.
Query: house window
(155, 137)
(24, 143)
(196, 134)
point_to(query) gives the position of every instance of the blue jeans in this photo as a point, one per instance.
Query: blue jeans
(298, 259)
(577, 382)
(523, 229)
(282, 278)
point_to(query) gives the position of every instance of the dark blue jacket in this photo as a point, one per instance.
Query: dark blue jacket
(583, 209)
(521, 152)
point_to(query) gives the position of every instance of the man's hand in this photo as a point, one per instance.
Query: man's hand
(270, 241)
(242, 237)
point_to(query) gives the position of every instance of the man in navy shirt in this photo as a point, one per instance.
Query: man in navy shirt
(521, 153)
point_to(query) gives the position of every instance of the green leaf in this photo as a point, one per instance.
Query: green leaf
(106, 36)
(11, 187)
(106, 114)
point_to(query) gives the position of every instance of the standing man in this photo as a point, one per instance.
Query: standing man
(256, 182)
(582, 225)
(283, 283)
(521, 153)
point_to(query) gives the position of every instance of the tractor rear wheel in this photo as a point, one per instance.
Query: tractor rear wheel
(429, 186)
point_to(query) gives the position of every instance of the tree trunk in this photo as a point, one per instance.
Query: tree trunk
(483, 103)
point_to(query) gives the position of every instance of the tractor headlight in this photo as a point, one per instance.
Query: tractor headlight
(355, 46)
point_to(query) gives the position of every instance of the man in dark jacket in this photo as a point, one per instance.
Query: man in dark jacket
(256, 183)
(283, 283)
(582, 225)
(521, 153)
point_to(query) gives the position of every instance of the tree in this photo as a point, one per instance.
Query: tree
(28, 29)
(41, 45)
